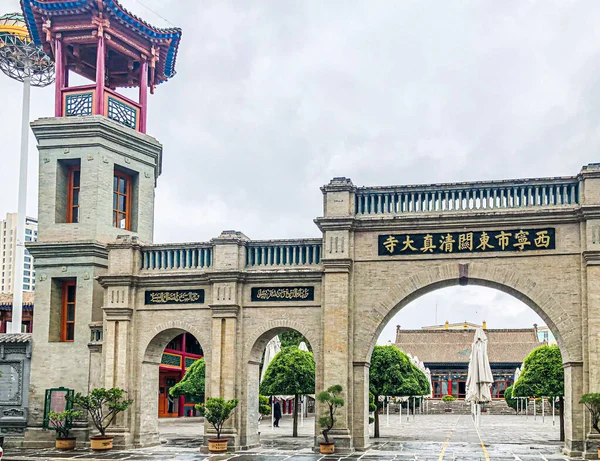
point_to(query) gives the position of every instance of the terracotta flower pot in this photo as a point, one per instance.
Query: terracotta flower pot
(101, 442)
(327, 448)
(66, 444)
(217, 445)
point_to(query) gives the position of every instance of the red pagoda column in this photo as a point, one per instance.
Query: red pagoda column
(59, 66)
(143, 93)
(100, 58)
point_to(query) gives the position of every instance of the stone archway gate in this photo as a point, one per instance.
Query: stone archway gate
(382, 247)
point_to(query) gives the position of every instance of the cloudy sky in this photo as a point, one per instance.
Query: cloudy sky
(273, 99)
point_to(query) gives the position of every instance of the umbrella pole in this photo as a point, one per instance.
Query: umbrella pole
(387, 416)
(553, 401)
(272, 412)
(534, 410)
(400, 410)
(543, 410)
(407, 409)
(301, 413)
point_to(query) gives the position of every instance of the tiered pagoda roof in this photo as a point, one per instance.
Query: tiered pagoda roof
(129, 38)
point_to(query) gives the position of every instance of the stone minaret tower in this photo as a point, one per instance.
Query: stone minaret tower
(97, 174)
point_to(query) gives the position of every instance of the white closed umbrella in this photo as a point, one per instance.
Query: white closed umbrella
(480, 378)
(303, 347)
(273, 348)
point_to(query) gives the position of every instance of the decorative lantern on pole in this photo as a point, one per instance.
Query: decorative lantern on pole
(25, 62)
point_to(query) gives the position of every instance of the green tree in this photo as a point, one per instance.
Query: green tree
(543, 376)
(292, 338)
(592, 403)
(217, 411)
(264, 409)
(332, 398)
(103, 405)
(508, 396)
(392, 374)
(292, 372)
(193, 382)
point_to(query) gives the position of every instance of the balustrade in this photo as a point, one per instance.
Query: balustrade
(79, 101)
(467, 196)
(284, 253)
(185, 257)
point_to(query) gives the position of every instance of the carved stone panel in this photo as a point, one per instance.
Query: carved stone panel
(11, 382)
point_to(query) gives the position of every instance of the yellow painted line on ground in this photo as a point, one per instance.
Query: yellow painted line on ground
(485, 453)
(441, 457)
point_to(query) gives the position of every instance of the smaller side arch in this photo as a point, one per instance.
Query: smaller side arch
(258, 338)
(254, 346)
(152, 344)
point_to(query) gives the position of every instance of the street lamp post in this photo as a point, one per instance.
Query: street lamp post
(21, 60)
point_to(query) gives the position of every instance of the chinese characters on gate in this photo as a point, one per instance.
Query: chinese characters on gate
(467, 242)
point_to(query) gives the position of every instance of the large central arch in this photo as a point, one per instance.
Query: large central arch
(563, 324)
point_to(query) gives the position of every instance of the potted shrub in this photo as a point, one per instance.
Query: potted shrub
(592, 403)
(103, 406)
(330, 397)
(264, 409)
(217, 411)
(62, 422)
(448, 399)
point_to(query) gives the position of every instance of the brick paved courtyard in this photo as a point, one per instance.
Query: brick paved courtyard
(424, 437)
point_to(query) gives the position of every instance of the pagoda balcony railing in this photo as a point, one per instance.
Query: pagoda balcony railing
(80, 101)
(181, 257)
(477, 196)
(282, 253)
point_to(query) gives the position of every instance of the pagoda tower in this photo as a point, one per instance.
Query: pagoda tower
(97, 174)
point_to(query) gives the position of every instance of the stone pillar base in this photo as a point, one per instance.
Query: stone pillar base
(574, 448)
(341, 438)
(146, 439)
(592, 443)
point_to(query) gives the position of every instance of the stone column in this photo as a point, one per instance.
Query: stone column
(574, 411)
(124, 260)
(228, 262)
(360, 400)
(590, 199)
(337, 310)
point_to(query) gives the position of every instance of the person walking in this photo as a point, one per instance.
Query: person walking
(276, 413)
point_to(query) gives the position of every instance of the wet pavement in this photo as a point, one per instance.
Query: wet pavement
(424, 437)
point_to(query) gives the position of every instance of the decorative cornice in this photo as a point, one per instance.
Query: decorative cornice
(339, 184)
(362, 364)
(335, 223)
(225, 276)
(117, 313)
(224, 311)
(591, 258)
(573, 363)
(590, 211)
(61, 250)
(125, 242)
(337, 265)
(92, 131)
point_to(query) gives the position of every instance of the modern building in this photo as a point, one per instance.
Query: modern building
(6, 300)
(8, 250)
(445, 350)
